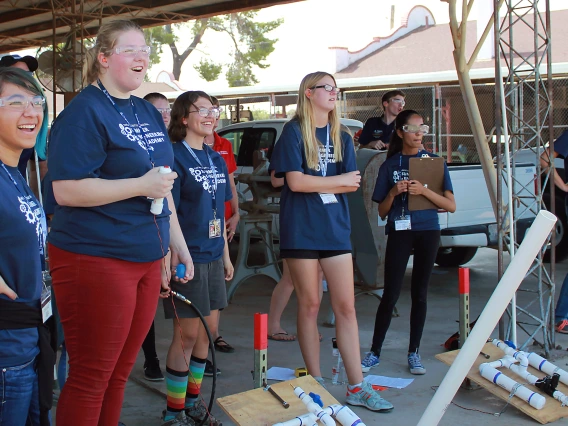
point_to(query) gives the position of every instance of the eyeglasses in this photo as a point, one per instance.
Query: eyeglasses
(205, 112)
(132, 51)
(327, 87)
(20, 103)
(401, 102)
(413, 128)
(166, 111)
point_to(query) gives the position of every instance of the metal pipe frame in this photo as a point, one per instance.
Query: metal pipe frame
(527, 123)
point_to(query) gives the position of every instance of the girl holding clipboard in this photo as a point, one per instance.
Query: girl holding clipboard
(417, 230)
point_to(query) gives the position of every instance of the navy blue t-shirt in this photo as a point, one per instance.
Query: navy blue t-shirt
(561, 148)
(193, 195)
(305, 221)
(90, 139)
(22, 245)
(372, 127)
(391, 171)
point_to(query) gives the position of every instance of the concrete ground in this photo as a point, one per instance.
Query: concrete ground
(144, 400)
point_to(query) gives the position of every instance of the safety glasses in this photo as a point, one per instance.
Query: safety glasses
(205, 112)
(21, 103)
(414, 128)
(132, 51)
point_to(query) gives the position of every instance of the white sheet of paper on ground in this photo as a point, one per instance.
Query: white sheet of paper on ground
(280, 373)
(389, 382)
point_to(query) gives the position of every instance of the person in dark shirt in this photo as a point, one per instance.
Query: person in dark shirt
(23, 232)
(106, 246)
(316, 158)
(377, 131)
(200, 193)
(29, 64)
(560, 150)
(408, 231)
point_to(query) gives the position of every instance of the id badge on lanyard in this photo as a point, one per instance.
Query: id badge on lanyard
(326, 198)
(46, 308)
(214, 227)
(214, 224)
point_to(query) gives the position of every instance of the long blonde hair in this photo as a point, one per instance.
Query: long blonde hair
(106, 40)
(305, 115)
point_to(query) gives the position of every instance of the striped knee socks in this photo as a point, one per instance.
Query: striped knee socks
(176, 383)
(196, 369)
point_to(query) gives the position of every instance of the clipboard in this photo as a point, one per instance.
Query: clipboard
(429, 171)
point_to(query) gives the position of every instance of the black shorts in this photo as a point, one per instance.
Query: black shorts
(311, 254)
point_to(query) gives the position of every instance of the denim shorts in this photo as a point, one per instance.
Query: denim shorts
(207, 291)
(19, 395)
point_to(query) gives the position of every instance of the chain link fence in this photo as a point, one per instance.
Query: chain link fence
(364, 104)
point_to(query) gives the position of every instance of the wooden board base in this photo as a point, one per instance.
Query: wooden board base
(258, 407)
(552, 410)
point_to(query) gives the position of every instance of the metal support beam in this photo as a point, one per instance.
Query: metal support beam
(523, 100)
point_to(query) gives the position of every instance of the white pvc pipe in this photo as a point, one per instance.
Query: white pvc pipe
(308, 419)
(322, 416)
(488, 319)
(546, 367)
(493, 375)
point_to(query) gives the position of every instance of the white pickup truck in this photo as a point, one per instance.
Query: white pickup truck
(473, 225)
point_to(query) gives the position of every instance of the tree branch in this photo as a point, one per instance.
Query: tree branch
(482, 40)
(454, 23)
(196, 40)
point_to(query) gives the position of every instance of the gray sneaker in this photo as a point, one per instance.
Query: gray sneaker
(415, 364)
(198, 412)
(180, 420)
(366, 396)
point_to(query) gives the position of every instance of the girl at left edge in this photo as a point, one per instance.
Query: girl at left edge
(106, 248)
(24, 356)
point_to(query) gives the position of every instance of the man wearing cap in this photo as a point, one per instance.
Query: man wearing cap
(29, 64)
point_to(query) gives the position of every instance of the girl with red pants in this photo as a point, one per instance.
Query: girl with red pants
(106, 247)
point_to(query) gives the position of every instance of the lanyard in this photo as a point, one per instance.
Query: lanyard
(323, 163)
(146, 144)
(213, 193)
(40, 220)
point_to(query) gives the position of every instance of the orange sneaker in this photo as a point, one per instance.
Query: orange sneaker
(562, 327)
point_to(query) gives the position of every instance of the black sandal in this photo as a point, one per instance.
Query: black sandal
(222, 346)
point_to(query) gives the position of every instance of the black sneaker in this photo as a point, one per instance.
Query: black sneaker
(152, 371)
(209, 369)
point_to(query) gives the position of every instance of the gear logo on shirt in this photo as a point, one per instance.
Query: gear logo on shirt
(205, 177)
(133, 137)
(33, 217)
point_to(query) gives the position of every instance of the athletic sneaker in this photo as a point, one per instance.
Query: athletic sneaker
(180, 420)
(366, 396)
(371, 360)
(209, 369)
(562, 327)
(152, 371)
(415, 364)
(198, 412)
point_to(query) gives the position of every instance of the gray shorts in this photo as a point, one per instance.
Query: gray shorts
(207, 291)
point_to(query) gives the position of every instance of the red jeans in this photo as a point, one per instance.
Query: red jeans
(106, 308)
